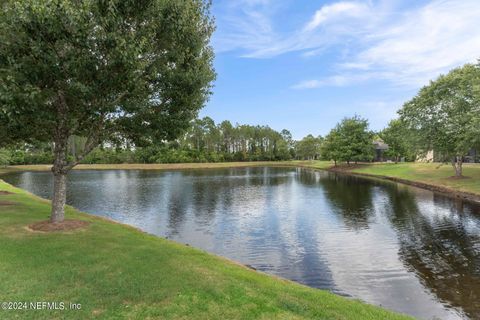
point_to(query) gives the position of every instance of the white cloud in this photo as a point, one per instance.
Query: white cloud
(336, 10)
(248, 26)
(384, 41)
(339, 81)
(308, 84)
(245, 25)
(426, 42)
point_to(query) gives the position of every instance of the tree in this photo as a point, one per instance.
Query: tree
(308, 148)
(101, 70)
(5, 157)
(330, 149)
(290, 143)
(398, 139)
(353, 140)
(227, 131)
(445, 114)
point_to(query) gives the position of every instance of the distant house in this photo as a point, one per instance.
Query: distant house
(431, 156)
(380, 148)
(428, 157)
(473, 156)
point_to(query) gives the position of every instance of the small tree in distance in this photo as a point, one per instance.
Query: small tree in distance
(398, 139)
(330, 149)
(139, 70)
(349, 141)
(308, 148)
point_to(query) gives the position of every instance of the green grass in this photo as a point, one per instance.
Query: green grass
(115, 271)
(430, 173)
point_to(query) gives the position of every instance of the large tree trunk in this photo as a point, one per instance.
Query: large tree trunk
(59, 197)
(59, 180)
(59, 167)
(457, 163)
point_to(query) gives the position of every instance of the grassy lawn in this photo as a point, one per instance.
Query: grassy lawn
(115, 271)
(430, 173)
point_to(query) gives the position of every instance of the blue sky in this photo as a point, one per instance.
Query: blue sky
(303, 65)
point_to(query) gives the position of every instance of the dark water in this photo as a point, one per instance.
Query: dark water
(404, 248)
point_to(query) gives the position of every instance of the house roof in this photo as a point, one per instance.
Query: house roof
(380, 145)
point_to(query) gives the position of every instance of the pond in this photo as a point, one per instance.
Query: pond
(406, 249)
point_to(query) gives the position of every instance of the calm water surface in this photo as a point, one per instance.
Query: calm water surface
(404, 248)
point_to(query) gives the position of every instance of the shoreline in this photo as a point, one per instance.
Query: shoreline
(448, 192)
(315, 165)
(445, 191)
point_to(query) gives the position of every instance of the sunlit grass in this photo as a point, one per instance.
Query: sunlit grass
(431, 173)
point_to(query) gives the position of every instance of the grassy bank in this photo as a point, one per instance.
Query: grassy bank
(429, 173)
(115, 271)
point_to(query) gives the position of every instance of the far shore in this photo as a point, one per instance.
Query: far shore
(436, 177)
(169, 166)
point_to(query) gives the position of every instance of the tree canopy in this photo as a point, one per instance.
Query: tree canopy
(350, 140)
(308, 148)
(330, 148)
(240, 142)
(445, 114)
(399, 139)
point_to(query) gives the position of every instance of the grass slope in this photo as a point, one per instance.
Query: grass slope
(429, 173)
(115, 271)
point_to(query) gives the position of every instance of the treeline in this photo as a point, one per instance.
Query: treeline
(207, 141)
(204, 141)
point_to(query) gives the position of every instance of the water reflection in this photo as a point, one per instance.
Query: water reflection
(350, 198)
(440, 243)
(406, 249)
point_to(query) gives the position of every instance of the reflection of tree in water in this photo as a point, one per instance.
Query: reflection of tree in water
(178, 200)
(265, 177)
(308, 177)
(351, 198)
(205, 190)
(205, 197)
(442, 249)
(237, 177)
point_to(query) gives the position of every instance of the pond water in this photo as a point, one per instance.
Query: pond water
(400, 247)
